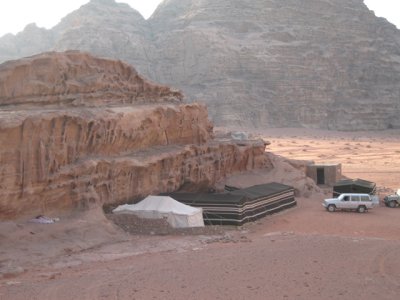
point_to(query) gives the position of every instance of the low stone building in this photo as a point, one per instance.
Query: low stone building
(325, 174)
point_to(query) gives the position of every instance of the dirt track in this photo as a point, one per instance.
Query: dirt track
(303, 253)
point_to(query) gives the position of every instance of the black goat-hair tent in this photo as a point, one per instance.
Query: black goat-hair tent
(240, 206)
(354, 186)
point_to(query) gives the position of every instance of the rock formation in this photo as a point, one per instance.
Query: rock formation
(76, 129)
(73, 78)
(327, 64)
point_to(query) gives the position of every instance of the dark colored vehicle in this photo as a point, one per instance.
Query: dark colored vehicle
(392, 201)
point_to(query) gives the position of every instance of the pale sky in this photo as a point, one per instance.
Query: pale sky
(16, 14)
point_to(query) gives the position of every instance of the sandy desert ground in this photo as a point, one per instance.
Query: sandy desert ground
(373, 156)
(302, 253)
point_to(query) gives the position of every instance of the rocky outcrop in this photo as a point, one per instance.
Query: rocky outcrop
(61, 157)
(73, 78)
(327, 64)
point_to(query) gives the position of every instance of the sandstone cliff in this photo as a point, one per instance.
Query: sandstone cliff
(58, 156)
(73, 78)
(279, 63)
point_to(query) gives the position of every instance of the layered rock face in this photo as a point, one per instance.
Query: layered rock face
(73, 78)
(56, 155)
(327, 64)
(283, 63)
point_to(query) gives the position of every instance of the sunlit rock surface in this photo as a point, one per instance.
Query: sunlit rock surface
(75, 130)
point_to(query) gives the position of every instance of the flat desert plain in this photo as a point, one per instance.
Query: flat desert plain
(373, 156)
(301, 253)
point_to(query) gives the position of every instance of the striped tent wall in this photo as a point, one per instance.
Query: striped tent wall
(240, 206)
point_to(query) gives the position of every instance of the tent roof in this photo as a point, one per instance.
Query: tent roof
(162, 204)
(354, 186)
(235, 197)
(359, 182)
(260, 190)
(223, 198)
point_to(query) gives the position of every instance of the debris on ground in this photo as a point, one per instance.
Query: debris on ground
(44, 220)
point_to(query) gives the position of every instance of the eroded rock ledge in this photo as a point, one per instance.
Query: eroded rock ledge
(74, 78)
(59, 159)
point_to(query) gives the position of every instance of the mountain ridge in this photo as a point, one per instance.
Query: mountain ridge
(316, 64)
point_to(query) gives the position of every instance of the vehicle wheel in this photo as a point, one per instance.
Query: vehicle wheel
(392, 204)
(362, 209)
(331, 208)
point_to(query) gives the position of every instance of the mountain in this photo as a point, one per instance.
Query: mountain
(329, 64)
(101, 27)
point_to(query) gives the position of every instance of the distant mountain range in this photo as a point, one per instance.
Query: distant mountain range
(329, 64)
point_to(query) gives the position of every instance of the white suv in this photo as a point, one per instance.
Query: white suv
(359, 202)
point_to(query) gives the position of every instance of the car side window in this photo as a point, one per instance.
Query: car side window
(346, 198)
(365, 198)
(355, 198)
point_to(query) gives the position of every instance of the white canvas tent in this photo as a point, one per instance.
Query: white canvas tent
(178, 215)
